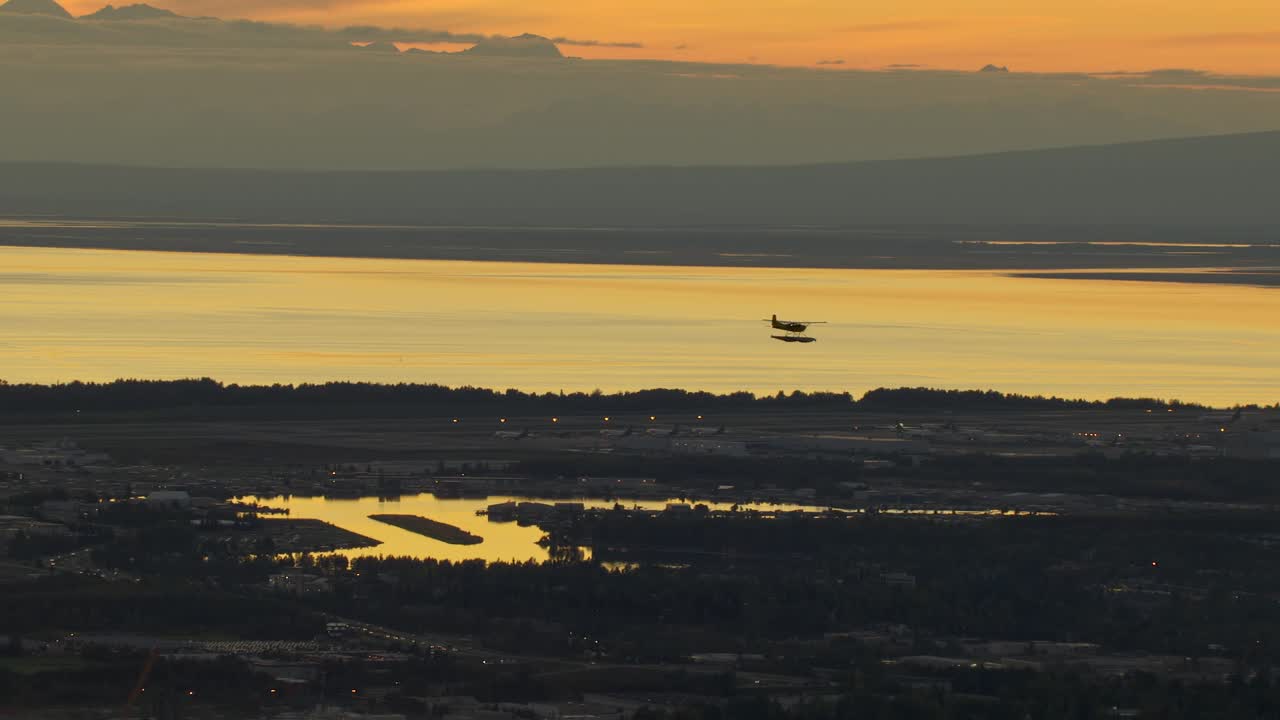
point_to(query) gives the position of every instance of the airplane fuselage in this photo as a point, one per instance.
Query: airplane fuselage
(789, 326)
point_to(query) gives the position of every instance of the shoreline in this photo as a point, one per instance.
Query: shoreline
(1012, 251)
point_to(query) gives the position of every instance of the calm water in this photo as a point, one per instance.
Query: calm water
(100, 315)
(502, 541)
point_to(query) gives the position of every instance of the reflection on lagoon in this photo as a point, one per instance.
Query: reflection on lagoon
(503, 541)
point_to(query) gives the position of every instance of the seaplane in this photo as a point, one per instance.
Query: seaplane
(793, 329)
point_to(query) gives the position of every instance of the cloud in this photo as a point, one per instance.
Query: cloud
(1190, 79)
(364, 33)
(596, 43)
(215, 33)
(203, 105)
(903, 66)
(369, 33)
(1176, 73)
(830, 62)
(177, 34)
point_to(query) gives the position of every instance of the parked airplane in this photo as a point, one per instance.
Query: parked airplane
(512, 435)
(664, 432)
(707, 430)
(616, 433)
(905, 431)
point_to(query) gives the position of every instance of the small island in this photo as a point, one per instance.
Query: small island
(431, 528)
(295, 535)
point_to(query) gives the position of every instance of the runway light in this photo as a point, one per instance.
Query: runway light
(652, 418)
(555, 420)
(606, 419)
(455, 421)
(502, 420)
(699, 417)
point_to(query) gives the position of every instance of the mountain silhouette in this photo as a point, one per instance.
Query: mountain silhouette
(1208, 182)
(140, 11)
(380, 46)
(994, 69)
(35, 7)
(526, 46)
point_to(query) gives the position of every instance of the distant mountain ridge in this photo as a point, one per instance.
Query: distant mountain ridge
(526, 46)
(1205, 181)
(140, 11)
(383, 40)
(35, 7)
(380, 46)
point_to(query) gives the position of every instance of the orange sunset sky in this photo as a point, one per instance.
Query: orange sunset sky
(1232, 36)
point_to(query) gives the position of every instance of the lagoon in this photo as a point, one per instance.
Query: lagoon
(503, 542)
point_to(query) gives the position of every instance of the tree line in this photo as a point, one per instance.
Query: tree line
(139, 396)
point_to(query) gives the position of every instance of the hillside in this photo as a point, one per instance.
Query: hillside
(1225, 180)
(130, 13)
(35, 7)
(522, 46)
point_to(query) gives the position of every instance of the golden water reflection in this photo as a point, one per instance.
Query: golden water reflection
(68, 314)
(503, 542)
